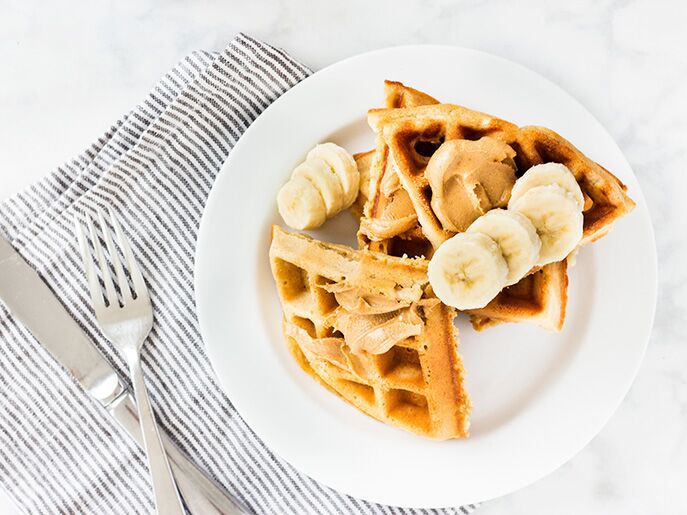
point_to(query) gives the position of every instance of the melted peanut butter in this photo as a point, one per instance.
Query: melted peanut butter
(371, 320)
(377, 333)
(398, 214)
(468, 178)
(361, 302)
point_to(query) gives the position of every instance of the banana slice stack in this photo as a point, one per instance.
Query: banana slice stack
(324, 184)
(542, 225)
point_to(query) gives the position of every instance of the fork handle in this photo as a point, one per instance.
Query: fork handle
(167, 499)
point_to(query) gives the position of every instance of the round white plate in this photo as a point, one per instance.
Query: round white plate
(538, 397)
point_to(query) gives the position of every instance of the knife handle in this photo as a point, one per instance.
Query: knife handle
(201, 494)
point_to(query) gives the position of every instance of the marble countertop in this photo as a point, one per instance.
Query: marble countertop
(70, 69)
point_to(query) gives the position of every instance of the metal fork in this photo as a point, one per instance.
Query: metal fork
(127, 326)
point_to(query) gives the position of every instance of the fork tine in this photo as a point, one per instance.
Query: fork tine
(114, 256)
(110, 291)
(87, 258)
(140, 287)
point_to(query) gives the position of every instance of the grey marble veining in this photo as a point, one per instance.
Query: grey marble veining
(70, 68)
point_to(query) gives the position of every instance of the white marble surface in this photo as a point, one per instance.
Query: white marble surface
(70, 68)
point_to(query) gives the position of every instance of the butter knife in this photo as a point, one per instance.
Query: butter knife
(31, 302)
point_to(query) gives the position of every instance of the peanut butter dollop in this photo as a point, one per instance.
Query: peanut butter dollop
(469, 178)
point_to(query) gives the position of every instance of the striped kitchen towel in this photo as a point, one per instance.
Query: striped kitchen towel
(59, 450)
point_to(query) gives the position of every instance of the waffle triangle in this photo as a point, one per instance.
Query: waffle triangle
(404, 222)
(367, 326)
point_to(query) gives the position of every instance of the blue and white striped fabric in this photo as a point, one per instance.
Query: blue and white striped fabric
(59, 450)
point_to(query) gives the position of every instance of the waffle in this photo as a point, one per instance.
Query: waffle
(540, 299)
(416, 383)
(412, 134)
(380, 205)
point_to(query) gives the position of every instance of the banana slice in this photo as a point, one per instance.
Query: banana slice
(325, 180)
(544, 174)
(300, 204)
(515, 235)
(556, 216)
(343, 165)
(467, 271)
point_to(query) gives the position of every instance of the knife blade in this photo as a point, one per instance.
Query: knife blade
(32, 303)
